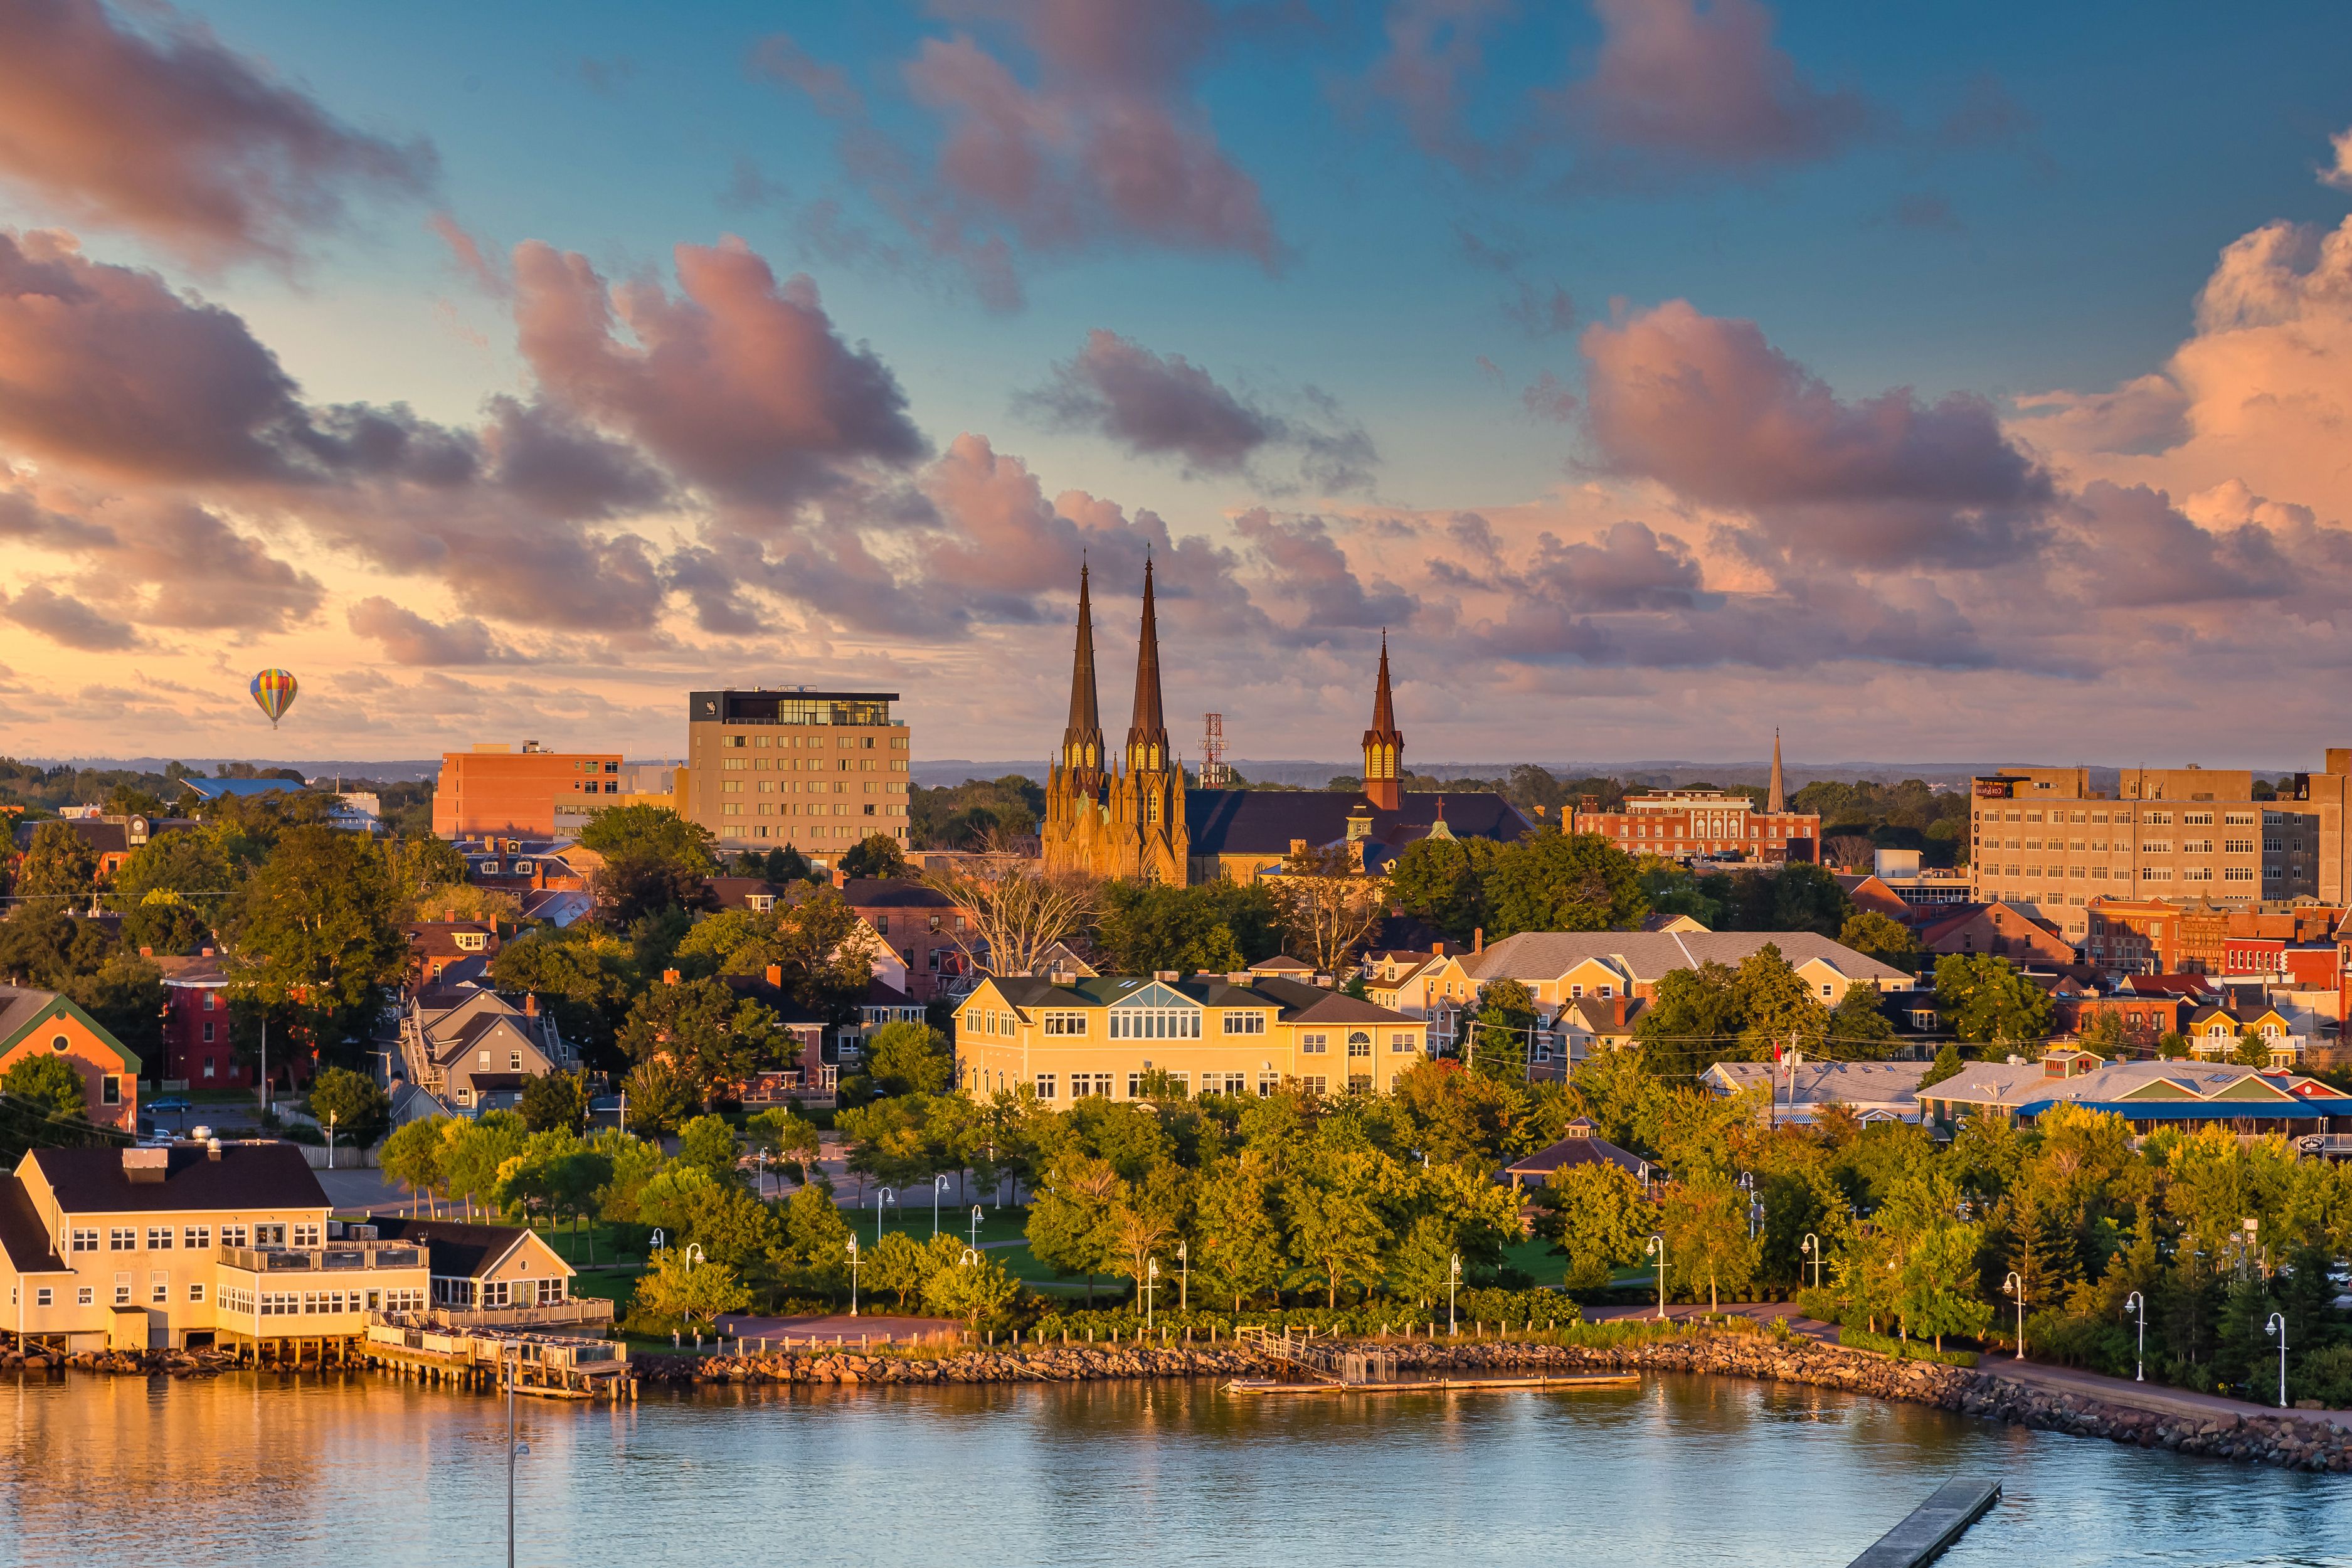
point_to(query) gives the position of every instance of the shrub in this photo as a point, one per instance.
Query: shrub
(2325, 1375)
(1905, 1350)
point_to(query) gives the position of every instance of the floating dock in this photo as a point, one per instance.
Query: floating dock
(1932, 1526)
(1435, 1386)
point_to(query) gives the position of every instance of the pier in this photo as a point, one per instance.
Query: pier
(1932, 1526)
(544, 1367)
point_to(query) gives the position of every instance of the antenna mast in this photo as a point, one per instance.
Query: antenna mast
(1214, 774)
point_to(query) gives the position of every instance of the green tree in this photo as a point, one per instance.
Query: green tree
(1948, 1064)
(1069, 1227)
(165, 890)
(57, 867)
(2252, 1050)
(654, 859)
(46, 1085)
(125, 996)
(1986, 1001)
(904, 1058)
(876, 855)
(1858, 1029)
(1337, 1233)
(817, 942)
(1874, 935)
(1506, 1011)
(1145, 927)
(1938, 1293)
(714, 1038)
(680, 1288)
(1443, 881)
(1237, 1247)
(783, 1135)
(412, 1155)
(1806, 897)
(1705, 1222)
(1693, 1020)
(658, 1095)
(898, 1264)
(553, 1100)
(315, 934)
(1776, 1005)
(814, 1255)
(1596, 1217)
(709, 1143)
(360, 1110)
(975, 1287)
(581, 975)
(1564, 883)
(476, 1152)
(41, 944)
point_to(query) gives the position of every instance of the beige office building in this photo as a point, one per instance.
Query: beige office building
(2044, 839)
(816, 770)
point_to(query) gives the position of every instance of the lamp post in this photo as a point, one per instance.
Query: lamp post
(1453, 1279)
(330, 1140)
(2277, 1325)
(853, 1276)
(1151, 1278)
(2137, 1305)
(1811, 1248)
(1657, 1249)
(938, 1191)
(2014, 1285)
(1184, 1278)
(975, 1225)
(881, 1196)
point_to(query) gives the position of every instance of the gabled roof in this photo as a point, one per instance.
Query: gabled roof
(457, 1250)
(1648, 955)
(246, 1177)
(204, 972)
(1575, 1150)
(24, 1009)
(24, 1240)
(1296, 1002)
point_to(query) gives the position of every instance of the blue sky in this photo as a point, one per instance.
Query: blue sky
(2018, 200)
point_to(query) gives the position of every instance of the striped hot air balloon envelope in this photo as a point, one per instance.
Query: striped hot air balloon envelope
(273, 693)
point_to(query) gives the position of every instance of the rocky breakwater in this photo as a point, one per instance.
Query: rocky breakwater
(1072, 1363)
(121, 1363)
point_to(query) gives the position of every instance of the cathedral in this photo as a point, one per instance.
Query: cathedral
(1132, 816)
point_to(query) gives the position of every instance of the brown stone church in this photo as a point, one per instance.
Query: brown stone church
(1133, 816)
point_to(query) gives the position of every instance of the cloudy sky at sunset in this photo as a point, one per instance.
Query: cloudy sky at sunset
(1932, 382)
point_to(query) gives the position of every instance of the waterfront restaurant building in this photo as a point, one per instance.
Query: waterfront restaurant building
(2149, 1095)
(1070, 1036)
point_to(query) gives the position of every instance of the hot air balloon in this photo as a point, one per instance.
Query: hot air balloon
(273, 693)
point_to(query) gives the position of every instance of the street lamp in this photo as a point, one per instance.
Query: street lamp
(1657, 1249)
(1150, 1277)
(1811, 1248)
(2277, 1325)
(938, 1191)
(1453, 1279)
(881, 1196)
(975, 1225)
(853, 1276)
(2014, 1285)
(330, 1140)
(1184, 1280)
(2137, 1305)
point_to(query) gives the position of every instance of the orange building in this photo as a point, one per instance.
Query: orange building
(494, 789)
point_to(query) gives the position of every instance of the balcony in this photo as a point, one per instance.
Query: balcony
(579, 1312)
(275, 1261)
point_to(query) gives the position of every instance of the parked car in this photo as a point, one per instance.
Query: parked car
(167, 1108)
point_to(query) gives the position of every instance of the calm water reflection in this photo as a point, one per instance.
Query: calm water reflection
(1684, 1471)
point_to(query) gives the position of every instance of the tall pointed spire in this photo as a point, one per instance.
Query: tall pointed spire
(1082, 741)
(1384, 744)
(1147, 734)
(1776, 798)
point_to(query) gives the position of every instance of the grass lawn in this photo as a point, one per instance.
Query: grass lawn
(996, 1225)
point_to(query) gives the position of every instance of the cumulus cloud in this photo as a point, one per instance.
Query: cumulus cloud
(1165, 405)
(1311, 576)
(1107, 145)
(735, 381)
(1707, 406)
(1436, 49)
(2338, 174)
(408, 637)
(165, 130)
(67, 621)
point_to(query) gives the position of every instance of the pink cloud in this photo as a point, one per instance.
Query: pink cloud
(734, 381)
(408, 637)
(168, 132)
(67, 621)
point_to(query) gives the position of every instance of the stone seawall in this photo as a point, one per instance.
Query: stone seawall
(2286, 1439)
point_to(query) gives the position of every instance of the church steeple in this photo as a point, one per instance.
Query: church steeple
(1384, 744)
(1776, 797)
(1082, 739)
(1147, 734)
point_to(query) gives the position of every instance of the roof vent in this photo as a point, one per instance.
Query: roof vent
(1166, 976)
(212, 1148)
(1239, 977)
(145, 1165)
(1062, 977)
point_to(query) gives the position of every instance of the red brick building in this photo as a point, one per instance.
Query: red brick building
(197, 1047)
(1693, 825)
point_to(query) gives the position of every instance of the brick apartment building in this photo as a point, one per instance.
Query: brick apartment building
(2298, 942)
(817, 770)
(197, 1050)
(495, 790)
(2043, 838)
(1686, 824)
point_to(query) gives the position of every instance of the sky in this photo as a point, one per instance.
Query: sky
(1927, 383)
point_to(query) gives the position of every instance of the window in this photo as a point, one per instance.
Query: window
(83, 1296)
(121, 1238)
(159, 1289)
(209, 1005)
(514, 1061)
(306, 1235)
(159, 1239)
(85, 1241)
(1085, 1084)
(1065, 1023)
(196, 1290)
(109, 1091)
(42, 1297)
(208, 1031)
(232, 1235)
(1045, 1086)
(1155, 1024)
(196, 1237)
(1401, 1041)
(1360, 1043)
(1314, 1045)
(1317, 1085)
(122, 1289)
(1246, 1023)
(1267, 1083)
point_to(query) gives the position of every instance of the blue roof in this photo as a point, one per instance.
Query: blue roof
(213, 789)
(2205, 1109)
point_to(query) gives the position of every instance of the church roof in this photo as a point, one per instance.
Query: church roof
(1267, 822)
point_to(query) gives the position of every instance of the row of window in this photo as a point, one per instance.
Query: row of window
(2123, 873)
(812, 743)
(191, 1238)
(786, 764)
(813, 829)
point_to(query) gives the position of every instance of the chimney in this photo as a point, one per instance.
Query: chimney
(840, 877)
(208, 952)
(776, 975)
(669, 976)
(448, 917)
(1436, 950)
(146, 1167)
(530, 1003)
(1479, 940)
